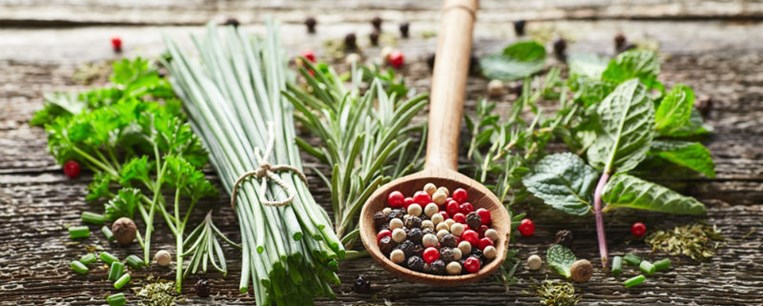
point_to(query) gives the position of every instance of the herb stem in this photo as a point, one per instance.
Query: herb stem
(601, 235)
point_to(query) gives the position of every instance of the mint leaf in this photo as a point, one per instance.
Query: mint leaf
(517, 61)
(692, 155)
(560, 258)
(695, 127)
(675, 110)
(564, 181)
(641, 64)
(587, 65)
(626, 123)
(625, 191)
(123, 204)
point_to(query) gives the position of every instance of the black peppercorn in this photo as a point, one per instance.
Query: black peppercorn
(386, 245)
(396, 213)
(415, 235)
(704, 105)
(310, 23)
(350, 42)
(374, 38)
(516, 88)
(376, 23)
(449, 240)
(413, 222)
(564, 237)
(473, 220)
(478, 254)
(619, 41)
(560, 48)
(415, 263)
(418, 250)
(437, 267)
(361, 285)
(407, 247)
(232, 22)
(474, 64)
(519, 27)
(446, 254)
(202, 288)
(404, 29)
(380, 219)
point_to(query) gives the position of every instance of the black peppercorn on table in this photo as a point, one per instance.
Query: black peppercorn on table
(715, 47)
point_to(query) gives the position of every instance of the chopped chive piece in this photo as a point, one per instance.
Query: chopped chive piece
(108, 258)
(107, 233)
(76, 232)
(116, 270)
(88, 258)
(617, 265)
(79, 267)
(134, 262)
(632, 259)
(116, 299)
(647, 267)
(92, 218)
(634, 281)
(122, 281)
(662, 264)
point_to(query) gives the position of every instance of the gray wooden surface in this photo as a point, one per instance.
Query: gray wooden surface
(714, 46)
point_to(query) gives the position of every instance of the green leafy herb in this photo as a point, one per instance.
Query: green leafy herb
(641, 64)
(626, 191)
(563, 181)
(560, 258)
(517, 61)
(674, 111)
(692, 155)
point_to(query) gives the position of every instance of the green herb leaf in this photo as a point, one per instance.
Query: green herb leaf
(560, 258)
(626, 120)
(564, 181)
(675, 110)
(99, 188)
(692, 155)
(625, 191)
(641, 64)
(191, 181)
(123, 204)
(587, 65)
(695, 127)
(517, 61)
(135, 170)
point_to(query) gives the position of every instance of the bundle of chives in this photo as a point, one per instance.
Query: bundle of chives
(233, 98)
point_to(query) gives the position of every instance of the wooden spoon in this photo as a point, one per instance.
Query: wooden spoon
(445, 112)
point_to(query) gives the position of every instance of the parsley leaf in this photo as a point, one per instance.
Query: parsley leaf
(123, 204)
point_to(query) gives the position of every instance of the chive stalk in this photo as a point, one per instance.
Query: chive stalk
(122, 281)
(78, 267)
(116, 270)
(88, 258)
(107, 233)
(632, 259)
(663, 264)
(647, 267)
(634, 281)
(77, 232)
(617, 265)
(134, 262)
(92, 218)
(107, 258)
(116, 299)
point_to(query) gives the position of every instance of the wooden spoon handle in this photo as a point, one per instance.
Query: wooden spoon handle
(446, 106)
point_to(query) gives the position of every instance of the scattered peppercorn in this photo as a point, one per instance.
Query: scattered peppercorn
(361, 285)
(232, 22)
(396, 59)
(619, 41)
(124, 230)
(519, 27)
(415, 263)
(564, 237)
(517, 88)
(350, 42)
(404, 29)
(560, 49)
(116, 44)
(526, 227)
(374, 38)
(430, 61)
(310, 22)
(376, 22)
(704, 105)
(534, 262)
(163, 258)
(581, 271)
(638, 229)
(202, 288)
(71, 169)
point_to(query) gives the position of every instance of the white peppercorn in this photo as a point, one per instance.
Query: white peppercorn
(453, 268)
(490, 252)
(441, 234)
(429, 240)
(437, 219)
(387, 210)
(430, 188)
(492, 234)
(395, 223)
(444, 190)
(495, 88)
(439, 197)
(398, 235)
(450, 222)
(163, 258)
(465, 247)
(431, 209)
(534, 262)
(442, 226)
(457, 229)
(427, 224)
(414, 210)
(397, 256)
(457, 254)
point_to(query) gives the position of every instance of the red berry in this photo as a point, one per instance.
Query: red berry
(431, 254)
(466, 208)
(395, 199)
(422, 198)
(471, 236)
(309, 55)
(472, 264)
(407, 202)
(382, 234)
(484, 242)
(484, 215)
(527, 227)
(460, 218)
(483, 228)
(396, 59)
(116, 44)
(445, 215)
(452, 208)
(460, 195)
(71, 169)
(638, 229)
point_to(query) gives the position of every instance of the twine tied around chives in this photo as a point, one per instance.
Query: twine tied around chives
(267, 171)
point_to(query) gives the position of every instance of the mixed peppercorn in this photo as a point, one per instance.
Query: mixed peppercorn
(436, 232)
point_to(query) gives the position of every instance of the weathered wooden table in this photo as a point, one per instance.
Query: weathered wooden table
(714, 46)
